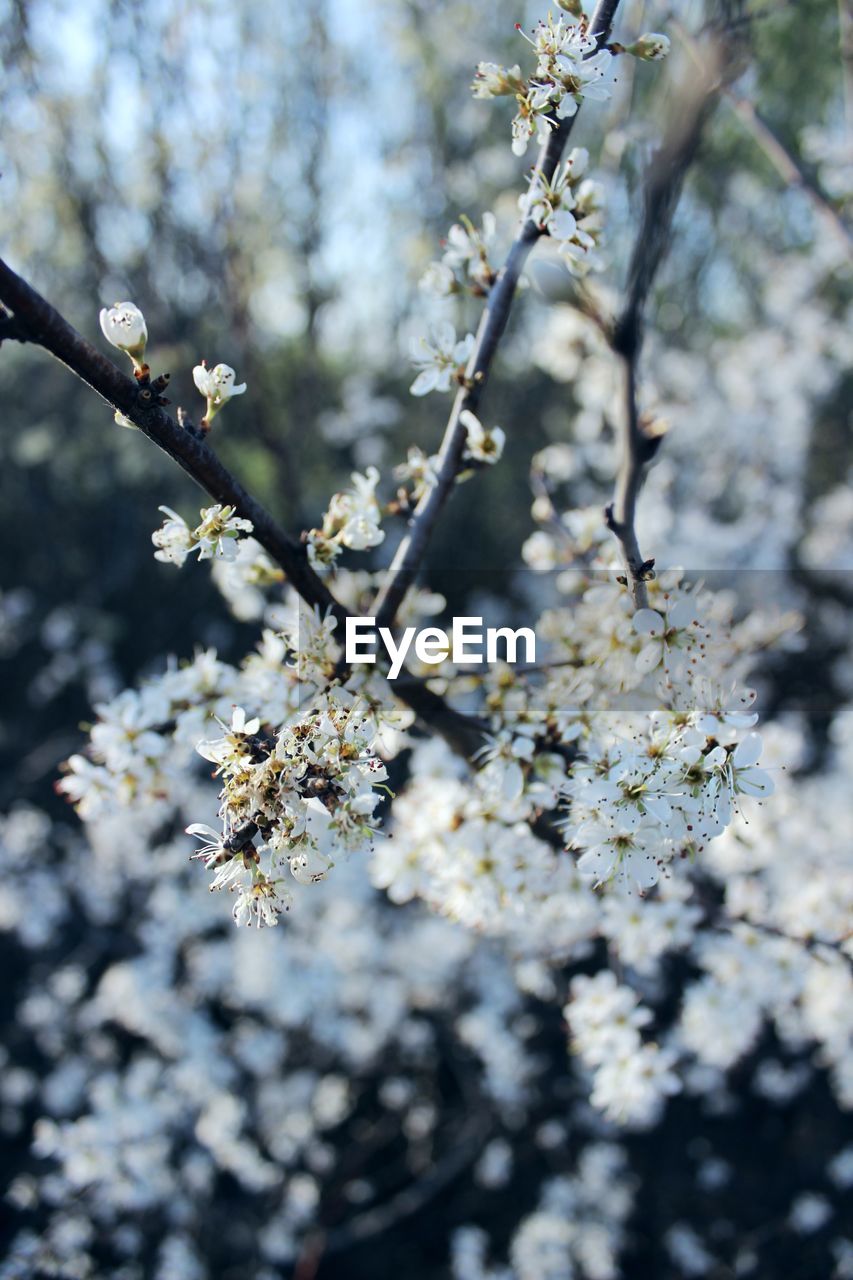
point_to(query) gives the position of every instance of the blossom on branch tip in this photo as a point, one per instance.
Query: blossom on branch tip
(124, 326)
(569, 68)
(217, 385)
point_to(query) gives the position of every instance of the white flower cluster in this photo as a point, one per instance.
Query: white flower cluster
(300, 776)
(352, 520)
(309, 793)
(215, 538)
(720, 389)
(639, 728)
(578, 1227)
(465, 263)
(568, 69)
(568, 208)
(631, 1078)
(455, 845)
(219, 1052)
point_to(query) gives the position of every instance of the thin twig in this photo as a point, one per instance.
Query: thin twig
(810, 942)
(412, 549)
(790, 168)
(662, 191)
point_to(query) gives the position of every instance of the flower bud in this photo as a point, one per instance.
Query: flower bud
(574, 7)
(124, 326)
(494, 81)
(651, 47)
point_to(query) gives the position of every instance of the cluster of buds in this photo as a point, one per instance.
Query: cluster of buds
(124, 326)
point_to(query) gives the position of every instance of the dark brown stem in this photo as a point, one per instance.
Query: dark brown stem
(35, 320)
(636, 451)
(44, 326)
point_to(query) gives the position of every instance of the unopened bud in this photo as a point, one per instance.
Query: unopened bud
(651, 47)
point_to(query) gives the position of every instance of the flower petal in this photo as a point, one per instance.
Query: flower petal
(647, 622)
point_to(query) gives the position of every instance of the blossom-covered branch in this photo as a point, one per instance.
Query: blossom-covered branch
(492, 326)
(140, 404)
(38, 322)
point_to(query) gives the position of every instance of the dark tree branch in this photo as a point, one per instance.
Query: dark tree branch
(11, 329)
(637, 450)
(43, 325)
(35, 320)
(493, 323)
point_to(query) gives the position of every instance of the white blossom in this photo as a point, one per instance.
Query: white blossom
(124, 326)
(441, 358)
(216, 537)
(352, 520)
(482, 445)
(218, 386)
